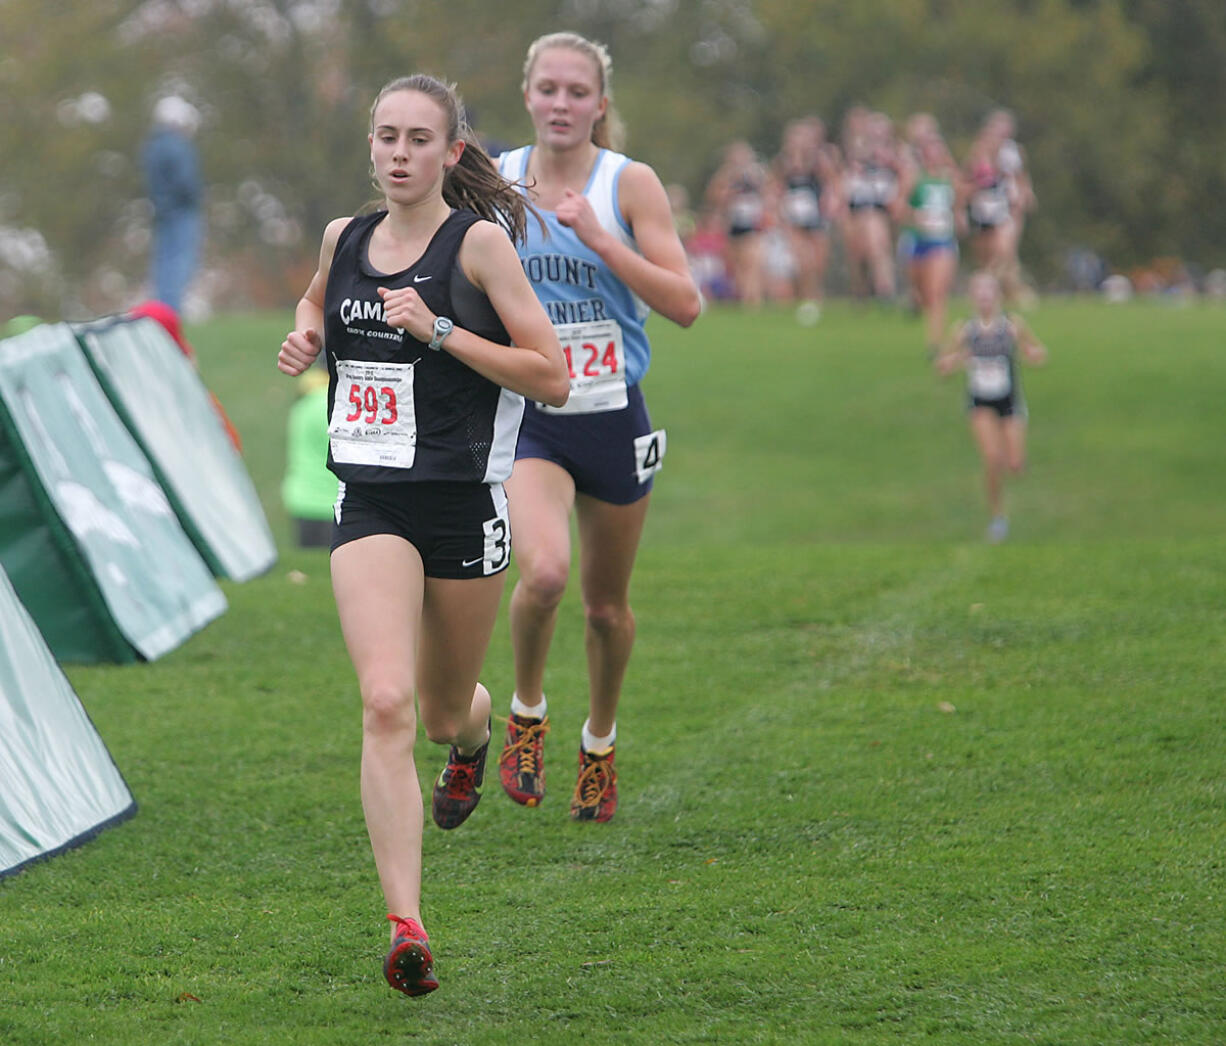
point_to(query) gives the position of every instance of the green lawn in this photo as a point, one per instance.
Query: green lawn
(881, 782)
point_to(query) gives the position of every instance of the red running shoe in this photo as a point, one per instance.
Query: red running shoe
(521, 767)
(458, 788)
(409, 966)
(595, 797)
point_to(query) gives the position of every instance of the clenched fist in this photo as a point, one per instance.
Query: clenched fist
(299, 351)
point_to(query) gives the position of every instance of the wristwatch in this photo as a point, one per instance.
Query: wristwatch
(442, 327)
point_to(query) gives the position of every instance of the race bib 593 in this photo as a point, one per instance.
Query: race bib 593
(373, 420)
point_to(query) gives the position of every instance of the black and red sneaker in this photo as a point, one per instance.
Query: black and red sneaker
(409, 966)
(521, 767)
(458, 788)
(595, 797)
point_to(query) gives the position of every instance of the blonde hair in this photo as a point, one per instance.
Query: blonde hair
(474, 183)
(985, 276)
(608, 132)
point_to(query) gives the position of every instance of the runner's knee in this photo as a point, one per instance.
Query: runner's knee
(387, 707)
(544, 581)
(608, 618)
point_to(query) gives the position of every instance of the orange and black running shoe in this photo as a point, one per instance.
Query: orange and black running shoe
(409, 966)
(521, 767)
(595, 797)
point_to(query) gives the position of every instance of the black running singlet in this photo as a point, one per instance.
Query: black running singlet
(802, 200)
(399, 410)
(991, 368)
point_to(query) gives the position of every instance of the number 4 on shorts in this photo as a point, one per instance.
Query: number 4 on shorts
(649, 454)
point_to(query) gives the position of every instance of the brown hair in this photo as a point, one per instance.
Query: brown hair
(474, 183)
(609, 132)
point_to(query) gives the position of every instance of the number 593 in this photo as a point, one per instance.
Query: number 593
(377, 404)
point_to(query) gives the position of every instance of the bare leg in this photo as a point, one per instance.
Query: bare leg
(1012, 288)
(540, 496)
(989, 437)
(804, 256)
(457, 622)
(935, 277)
(378, 582)
(385, 603)
(981, 248)
(1000, 261)
(880, 255)
(746, 253)
(853, 248)
(608, 541)
(821, 260)
(1013, 430)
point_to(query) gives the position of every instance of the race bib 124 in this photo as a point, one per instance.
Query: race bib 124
(597, 362)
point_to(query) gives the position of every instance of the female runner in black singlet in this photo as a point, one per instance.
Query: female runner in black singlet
(806, 178)
(987, 347)
(433, 337)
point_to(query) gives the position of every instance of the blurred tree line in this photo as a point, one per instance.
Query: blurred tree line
(1119, 106)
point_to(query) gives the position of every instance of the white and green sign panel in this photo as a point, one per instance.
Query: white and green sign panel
(87, 535)
(58, 783)
(166, 406)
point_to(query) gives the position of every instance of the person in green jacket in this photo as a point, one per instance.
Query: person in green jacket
(308, 489)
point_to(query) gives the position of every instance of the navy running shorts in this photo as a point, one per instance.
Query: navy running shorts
(1012, 406)
(922, 248)
(461, 530)
(611, 455)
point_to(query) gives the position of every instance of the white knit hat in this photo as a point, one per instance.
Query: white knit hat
(176, 112)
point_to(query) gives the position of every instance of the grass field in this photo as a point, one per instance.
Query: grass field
(881, 782)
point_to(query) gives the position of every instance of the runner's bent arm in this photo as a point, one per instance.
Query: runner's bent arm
(1033, 349)
(305, 341)
(660, 274)
(533, 365)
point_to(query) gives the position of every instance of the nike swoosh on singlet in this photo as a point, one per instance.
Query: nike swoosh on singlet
(422, 279)
(471, 562)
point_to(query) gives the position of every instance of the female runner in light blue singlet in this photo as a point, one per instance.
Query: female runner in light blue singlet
(608, 254)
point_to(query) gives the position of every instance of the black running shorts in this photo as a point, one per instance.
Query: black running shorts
(461, 530)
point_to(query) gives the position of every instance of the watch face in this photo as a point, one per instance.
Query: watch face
(442, 327)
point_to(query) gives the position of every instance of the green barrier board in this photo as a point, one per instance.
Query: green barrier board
(87, 536)
(58, 784)
(162, 400)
